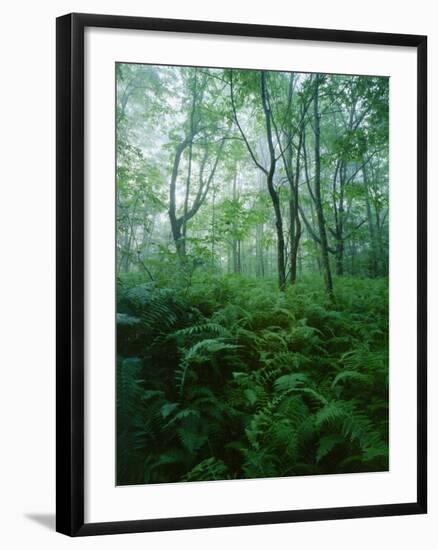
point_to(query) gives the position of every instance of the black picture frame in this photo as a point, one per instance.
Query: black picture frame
(70, 273)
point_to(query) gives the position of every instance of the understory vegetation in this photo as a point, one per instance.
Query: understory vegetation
(232, 379)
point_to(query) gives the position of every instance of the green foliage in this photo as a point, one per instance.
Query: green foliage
(235, 379)
(208, 470)
(240, 195)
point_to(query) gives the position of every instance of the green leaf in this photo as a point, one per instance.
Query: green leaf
(290, 381)
(251, 396)
(352, 375)
(168, 409)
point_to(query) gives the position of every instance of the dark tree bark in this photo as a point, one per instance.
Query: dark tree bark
(260, 262)
(338, 212)
(175, 222)
(325, 261)
(293, 174)
(374, 265)
(271, 188)
(237, 268)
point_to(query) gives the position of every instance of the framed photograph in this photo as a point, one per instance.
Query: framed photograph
(241, 274)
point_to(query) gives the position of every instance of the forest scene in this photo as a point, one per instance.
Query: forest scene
(252, 273)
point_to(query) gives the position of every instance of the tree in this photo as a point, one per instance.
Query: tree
(268, 170)
(295, 164)
(201, 130)
(316, 195)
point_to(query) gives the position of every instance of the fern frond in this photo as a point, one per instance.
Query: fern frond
(352, 375)
(207, 470)
(290, 381)
(332, 412)
(209, 328)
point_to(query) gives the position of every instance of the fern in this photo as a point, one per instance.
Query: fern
(230, 378)
(209, 469)
(290, 381)
(332, 412)
(202, 328)
(352, 375)
(199, 353)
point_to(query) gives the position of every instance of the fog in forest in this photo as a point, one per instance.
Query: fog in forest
(252, 263)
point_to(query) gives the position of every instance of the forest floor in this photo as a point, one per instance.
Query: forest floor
(226, 377)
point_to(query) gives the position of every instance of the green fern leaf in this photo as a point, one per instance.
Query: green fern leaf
(290, 381)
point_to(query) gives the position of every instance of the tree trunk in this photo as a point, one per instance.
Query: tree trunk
(186, 202)
(295, 234)
(176, 223)
(213, 227)
(374, 264)
(260, 267)
(280, 238)
(269, 173)
(236, 243)
(189, 170)
(318, 200)
(293, 178)
(339, 255)
(271, 188)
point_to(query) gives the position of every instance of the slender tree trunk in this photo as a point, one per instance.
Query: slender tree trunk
(339, 201)
(213, 227)
(148, 231)
(295, 234)
(128, 248)
(189, 170)
(268, 172)
(183, 243)
(280, 237)
(271, 188)
(234, 254)
(353, 255)
(338, 212)
(176, 223)
(260, 268)
(294, 228)
(260, 240)
(381, 248)
(374, 265)
(339, 255)
(318, 200)
(293, 178)
(236, 243)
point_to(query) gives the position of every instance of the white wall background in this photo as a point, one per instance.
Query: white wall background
(27, 289)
